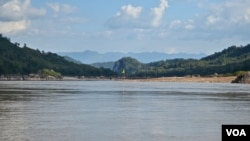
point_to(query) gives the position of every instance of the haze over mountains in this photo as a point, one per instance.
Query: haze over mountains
(230, 61)
(17, 60)
(90, 57)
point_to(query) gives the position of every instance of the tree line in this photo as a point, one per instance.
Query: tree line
(227, 62)
(24, 60)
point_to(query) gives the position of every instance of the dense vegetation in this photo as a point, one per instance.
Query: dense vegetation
(23, 60)
(46, 72)
(108, 65)
(228, 62)
(129, 65)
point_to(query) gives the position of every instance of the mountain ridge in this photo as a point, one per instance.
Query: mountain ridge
(226, 62)
(24, 60)
(91, 57)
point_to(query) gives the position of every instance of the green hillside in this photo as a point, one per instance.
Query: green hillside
(226, 62)
(108, 65)
(130, 65)
(24, 60)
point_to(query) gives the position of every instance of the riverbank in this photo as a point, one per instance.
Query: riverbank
(49, 78)
(185, 79)
(159, 79)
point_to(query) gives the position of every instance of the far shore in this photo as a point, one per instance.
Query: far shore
(184, 79)
(219, 79)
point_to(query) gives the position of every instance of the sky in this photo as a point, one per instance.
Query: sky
(169, 26)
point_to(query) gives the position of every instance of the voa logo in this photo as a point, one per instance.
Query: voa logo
(236, 132)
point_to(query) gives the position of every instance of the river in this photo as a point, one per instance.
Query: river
(119, 111)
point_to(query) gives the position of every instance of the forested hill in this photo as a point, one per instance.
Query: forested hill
(231, 52)
(24, 60)
(226, 62)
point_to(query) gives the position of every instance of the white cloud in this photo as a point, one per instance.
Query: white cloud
(64, 13)
(54, 6)
(128, 16)
(179, 25)
(13, 27)
(227, 20)
(230, 12)
(212, 20)
(189, 26)
(15, 10)
(171, 50)
(15, 15)
(174, 24)
(73, 20)
(130, 11)
(216, 21)
(158, 12)
(247, 15)
(11, 11)
(62, 8)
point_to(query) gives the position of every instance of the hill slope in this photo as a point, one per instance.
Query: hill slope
(17, 60)
(228, 61)
(129, 65)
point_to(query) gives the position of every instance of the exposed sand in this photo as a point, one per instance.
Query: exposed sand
(186, 79)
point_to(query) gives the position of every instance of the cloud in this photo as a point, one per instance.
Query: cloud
(212, 20)
(15, 15)
(16, 10)
(61, 8)
(73, 20)
(11, 11)
(238, 11)
(189, 26)
(158, 12)
(12, 27)
(179, 25)
(129, 11)
(65, 13)
(247, 15)
(216, 21)
(230, 12)
(128, 16)
(175, 24)
(225, 20)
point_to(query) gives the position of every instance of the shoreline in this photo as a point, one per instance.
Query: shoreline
(222, 79)
(228, 79)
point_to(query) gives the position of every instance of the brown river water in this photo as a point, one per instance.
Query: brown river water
(119, 111)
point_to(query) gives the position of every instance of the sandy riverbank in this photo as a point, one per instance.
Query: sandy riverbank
(186, 79)
(159, 79)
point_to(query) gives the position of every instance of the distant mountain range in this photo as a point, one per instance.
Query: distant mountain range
(24, 60)
(90, 57)
(228, 62)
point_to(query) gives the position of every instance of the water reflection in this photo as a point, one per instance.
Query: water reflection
(107, 111)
